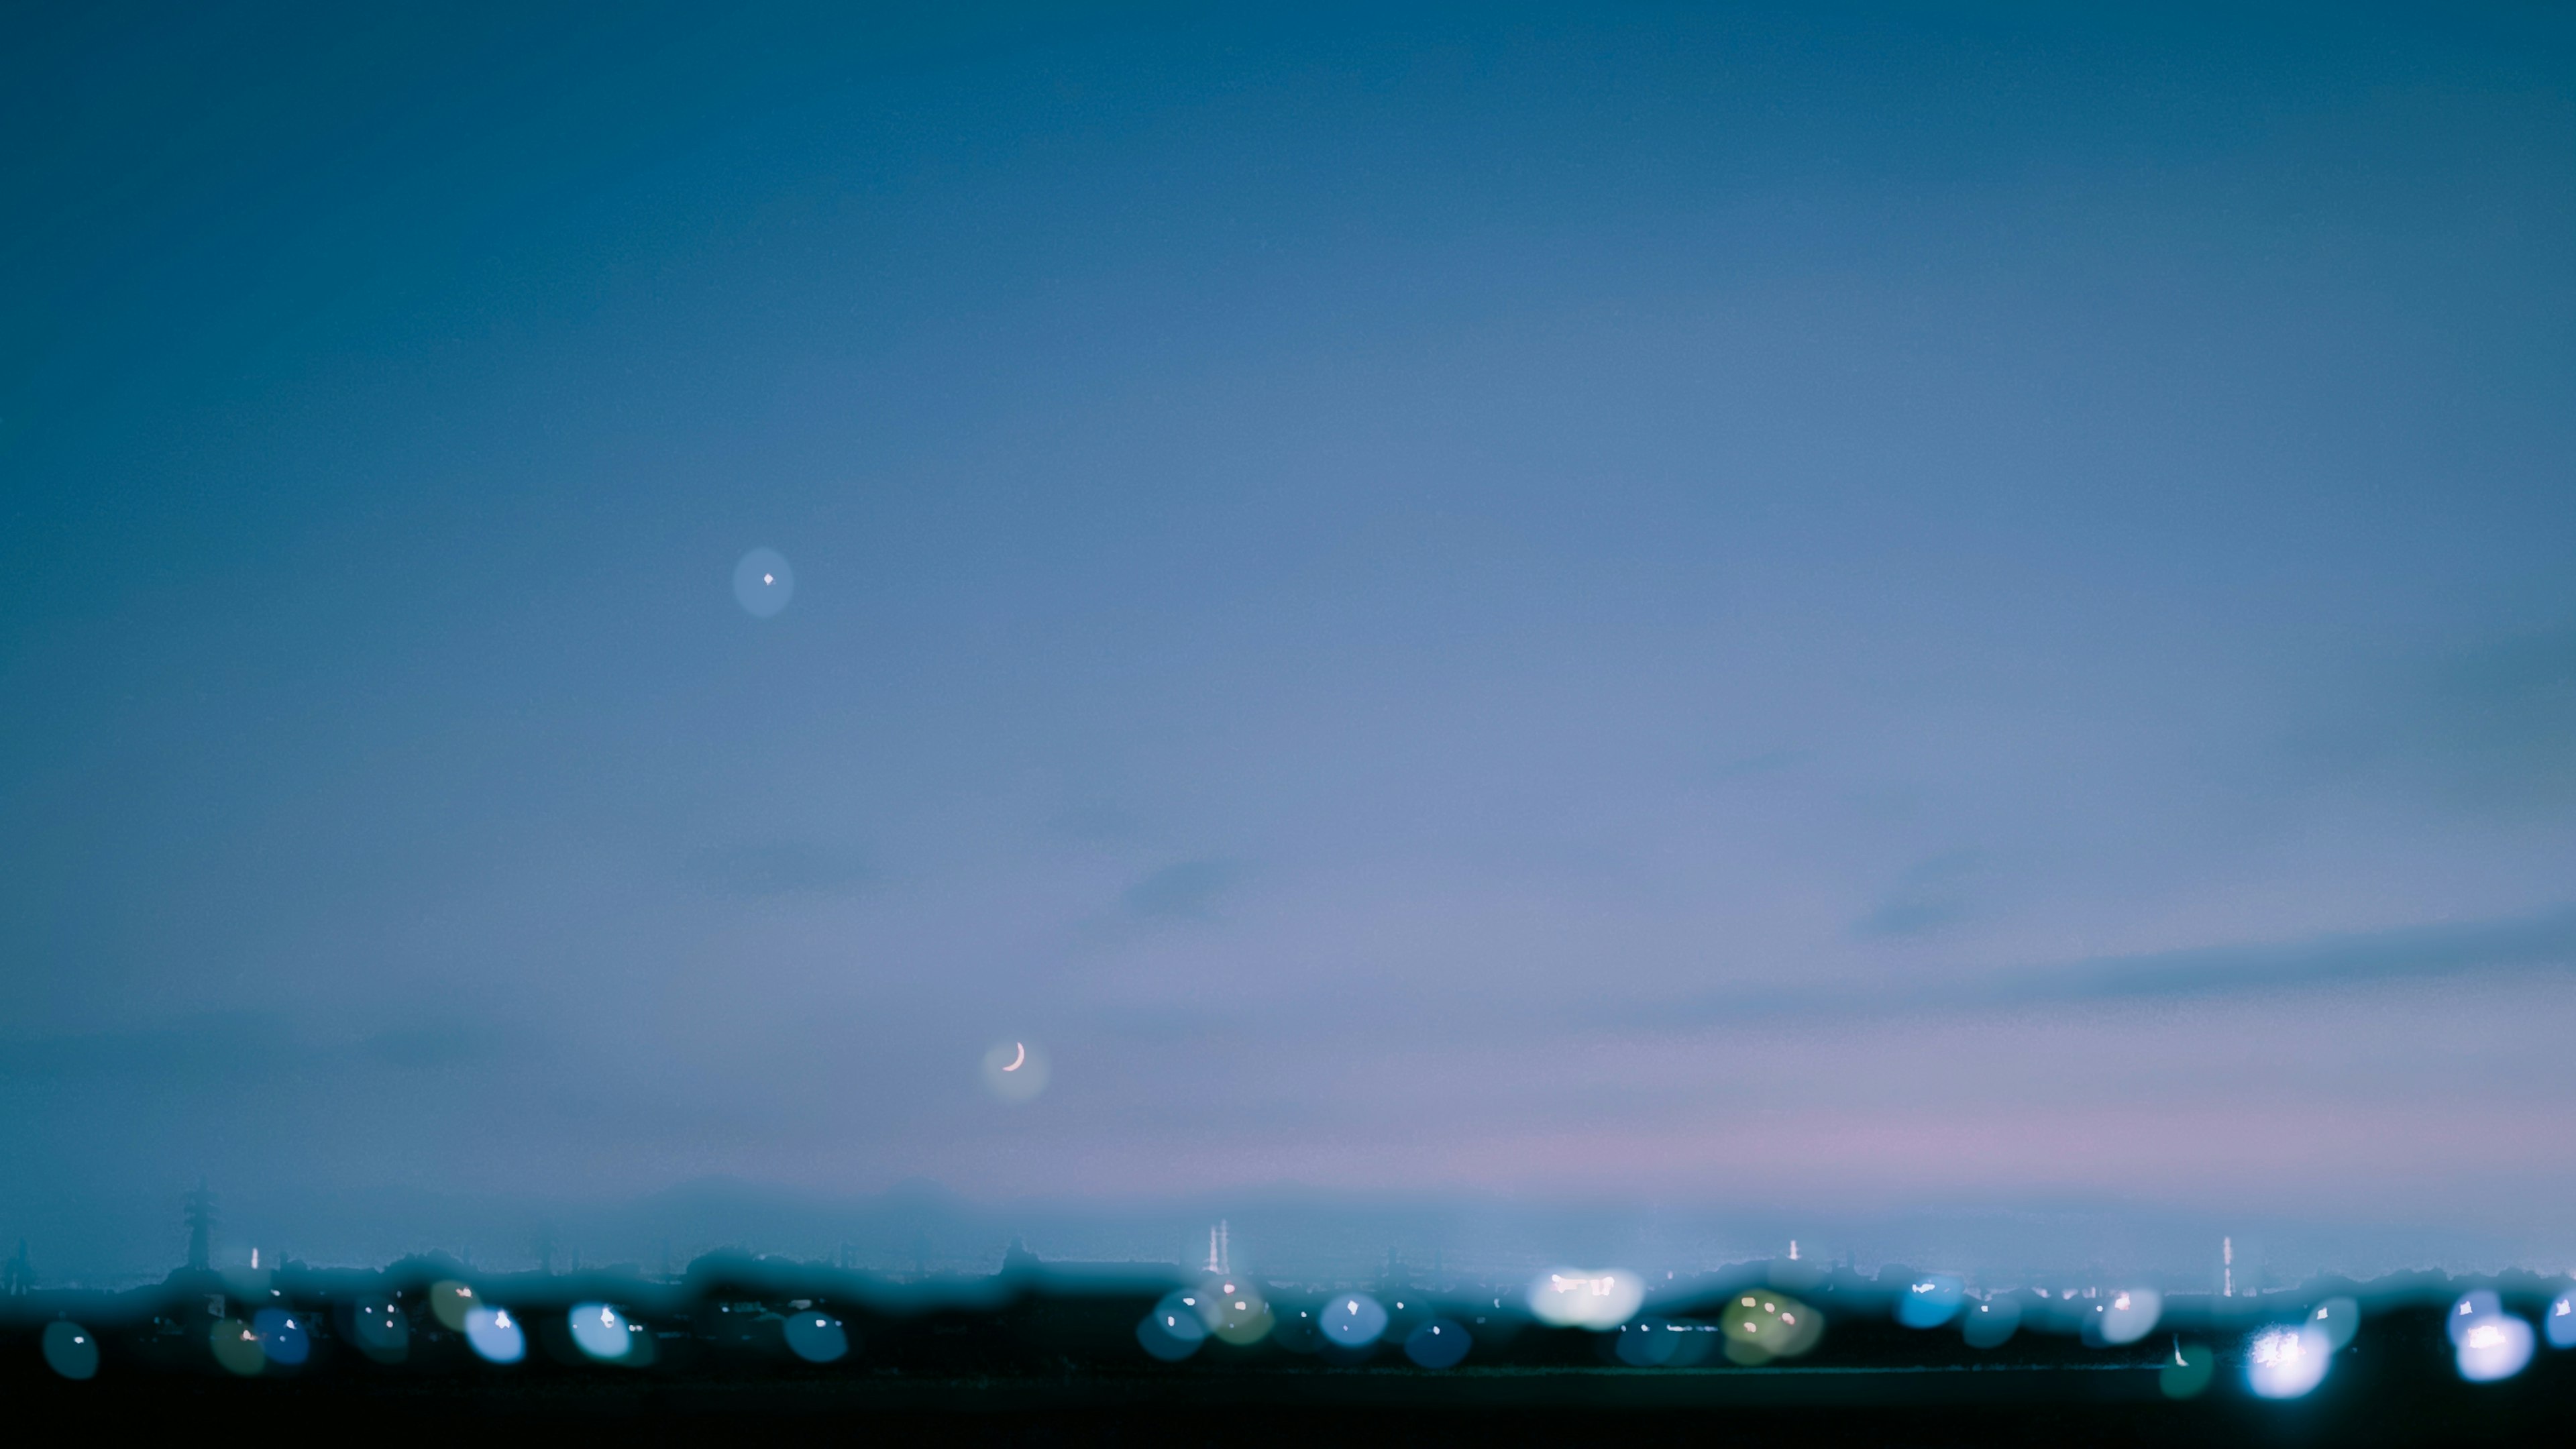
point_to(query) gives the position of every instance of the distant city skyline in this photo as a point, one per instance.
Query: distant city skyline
(921, 1228)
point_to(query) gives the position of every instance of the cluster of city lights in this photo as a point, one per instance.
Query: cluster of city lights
(2282, 1359)
(280, 1338)
(1232, 1311)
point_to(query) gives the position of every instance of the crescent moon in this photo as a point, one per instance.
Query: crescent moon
(1017, 1060)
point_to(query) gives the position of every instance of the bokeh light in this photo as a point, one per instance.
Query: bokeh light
(2125, 1315)
(1585, 1298)
(1930, 1301)
(763, 583)
(600, 1332)
(449, 1303)
(2488, 1344)
(381, 1332)
(2559, 1323)
(1437, 1343)
(2287, 1360)
(2339, 1318)
(1174, 1330)
(236, 1347)
(282, 1336)
(1766, 1324)
(1015, 1071)
(1352, 1320)
(1234, 1311)
(817, 1337)
(494, 1335)
(1989, 1322)
(2469, 1308)
(2187, 1373)
(71, 1350)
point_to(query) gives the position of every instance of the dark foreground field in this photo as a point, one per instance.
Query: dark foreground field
(1039, 1361)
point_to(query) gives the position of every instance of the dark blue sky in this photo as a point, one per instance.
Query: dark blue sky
(1844, 609)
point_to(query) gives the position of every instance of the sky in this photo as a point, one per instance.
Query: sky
(1774, 613)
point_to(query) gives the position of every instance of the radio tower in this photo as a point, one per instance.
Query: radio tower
(1220, 1251)
(201, 1228)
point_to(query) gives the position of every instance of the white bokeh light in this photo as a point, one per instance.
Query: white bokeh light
(2487, 1343)
(1354, 1320)
(2286, 1361)
(763, 583)
(2338, 1318)
(2560, 1321)
(1930, 1301)
(599, 1331)
(1597, 1298)
(494, 1335)
(2128, 1315)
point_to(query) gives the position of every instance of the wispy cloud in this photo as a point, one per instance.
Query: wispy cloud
(1186, 890)
(2442, 949)
(2491, 728)
(1931, 896)
(2546, 941)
